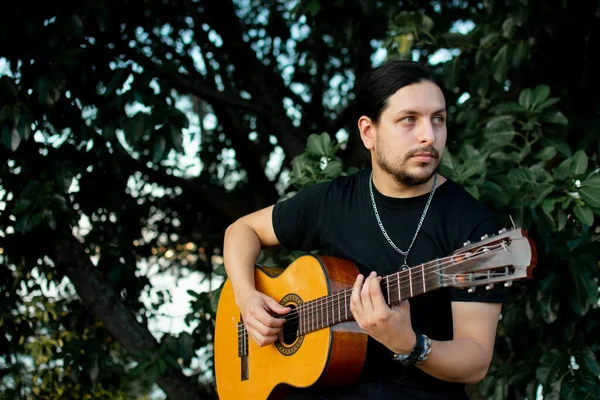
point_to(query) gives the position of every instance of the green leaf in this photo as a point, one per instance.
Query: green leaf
(117, 81)
(214, 298)
(508, 27)
(563, 170)
(547, 103)
(548, 306)
(561, 145)
(520, 53)
(333, 169)
(589, 361)
(552, 391)
(10, 138)
(584, 214)
(584, 290)
(541, 191)
(498, 139)
(448, 161)
(520, 176)
(551, 363)
(539, 95)
(547, 154)
(579, 164)
(185, 346)
(220, 271)
(176, 138)
(556, 117)
(496, 192)
(525, 98)
(319, 145)
(499, 64)
(137, 127)
(160, 147)
(590, 191)
(489, 39)
(548, 205)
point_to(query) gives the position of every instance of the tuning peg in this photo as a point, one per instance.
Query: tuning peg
(468, 242)
(471, 290)
(485, 236)
(503, 230)
(508, 284)
(490, 286)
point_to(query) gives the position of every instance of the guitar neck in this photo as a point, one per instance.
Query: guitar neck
(335, 308)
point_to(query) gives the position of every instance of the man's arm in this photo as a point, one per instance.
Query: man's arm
(243, 242)
(464, 359)
(467, 357)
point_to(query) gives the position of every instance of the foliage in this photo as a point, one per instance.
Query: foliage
(133, 132)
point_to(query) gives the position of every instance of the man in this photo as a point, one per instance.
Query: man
(398, 213)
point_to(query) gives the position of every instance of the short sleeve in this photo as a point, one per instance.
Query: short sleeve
(499, 294)
(296, 219)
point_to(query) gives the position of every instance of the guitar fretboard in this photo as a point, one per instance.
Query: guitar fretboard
(335, 308)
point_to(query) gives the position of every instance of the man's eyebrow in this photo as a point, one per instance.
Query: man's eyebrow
(413, 112)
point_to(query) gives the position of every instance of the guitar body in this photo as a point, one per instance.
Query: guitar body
(331, 356)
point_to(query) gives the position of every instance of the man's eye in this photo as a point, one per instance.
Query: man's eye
(408, 120)
(438, 119)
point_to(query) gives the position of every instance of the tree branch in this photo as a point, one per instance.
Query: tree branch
(117, 318)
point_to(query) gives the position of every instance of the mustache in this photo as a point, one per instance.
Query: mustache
(424, 150)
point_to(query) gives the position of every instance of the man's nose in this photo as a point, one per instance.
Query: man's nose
(426, 133)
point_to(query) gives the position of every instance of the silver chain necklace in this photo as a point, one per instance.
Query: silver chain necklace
(404, 253)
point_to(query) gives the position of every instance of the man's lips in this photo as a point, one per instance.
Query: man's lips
(424, 157)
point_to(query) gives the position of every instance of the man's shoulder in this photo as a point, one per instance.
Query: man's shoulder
(468, 211)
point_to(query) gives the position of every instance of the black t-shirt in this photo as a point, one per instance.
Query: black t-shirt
(337, 217)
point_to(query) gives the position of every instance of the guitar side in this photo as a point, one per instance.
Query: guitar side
(329, 356)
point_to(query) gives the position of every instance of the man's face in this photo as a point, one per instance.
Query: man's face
(411, 134)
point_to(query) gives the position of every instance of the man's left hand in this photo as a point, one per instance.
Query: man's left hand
(389, 326)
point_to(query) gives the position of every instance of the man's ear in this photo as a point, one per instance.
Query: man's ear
(367, 130)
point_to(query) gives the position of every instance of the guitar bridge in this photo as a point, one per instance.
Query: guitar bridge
(243, 349)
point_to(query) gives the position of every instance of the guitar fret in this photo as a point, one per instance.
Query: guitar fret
(387, 281)
(333, 305)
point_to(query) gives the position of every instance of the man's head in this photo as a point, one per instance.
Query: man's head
(403, 120)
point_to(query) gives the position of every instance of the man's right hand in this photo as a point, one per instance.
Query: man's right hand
(259, 313)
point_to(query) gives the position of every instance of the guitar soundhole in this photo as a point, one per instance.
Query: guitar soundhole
(289, 342)
(290, 328)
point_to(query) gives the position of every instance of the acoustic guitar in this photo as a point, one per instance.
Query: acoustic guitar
(320, 343)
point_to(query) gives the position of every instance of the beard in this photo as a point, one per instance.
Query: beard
(399, 171)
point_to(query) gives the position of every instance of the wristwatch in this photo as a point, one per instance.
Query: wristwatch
(419, 353)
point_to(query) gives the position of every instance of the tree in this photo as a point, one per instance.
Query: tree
(100, 107)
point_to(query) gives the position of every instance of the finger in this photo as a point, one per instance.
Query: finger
(365, 293)
(376, 294)
(275, 306)
(265, 319)
(355, 300)
(261, 339)
(262, 317)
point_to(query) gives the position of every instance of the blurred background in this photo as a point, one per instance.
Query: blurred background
(133, 132)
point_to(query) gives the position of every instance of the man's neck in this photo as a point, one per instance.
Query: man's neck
(388, 186)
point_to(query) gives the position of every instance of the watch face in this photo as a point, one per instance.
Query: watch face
(401, 357)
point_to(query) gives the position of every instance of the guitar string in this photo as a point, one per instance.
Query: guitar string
(399, 279)
(316, 306)
(319, 307)
(318, 322)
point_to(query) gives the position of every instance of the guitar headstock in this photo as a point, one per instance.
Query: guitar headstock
(503, 258)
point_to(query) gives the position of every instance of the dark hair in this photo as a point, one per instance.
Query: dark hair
(385, 80)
